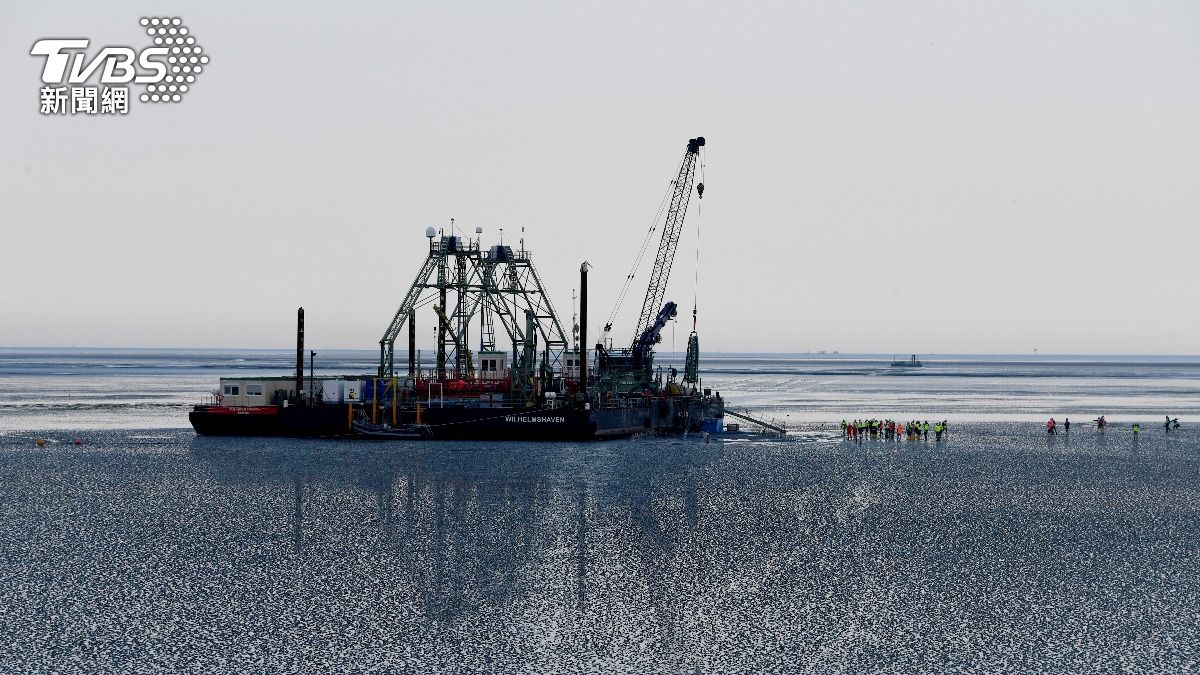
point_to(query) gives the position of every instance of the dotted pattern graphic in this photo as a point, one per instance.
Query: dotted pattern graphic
(185, 60)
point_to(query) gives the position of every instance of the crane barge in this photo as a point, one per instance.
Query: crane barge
(541, 387)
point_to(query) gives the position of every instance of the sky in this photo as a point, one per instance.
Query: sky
(918, 177)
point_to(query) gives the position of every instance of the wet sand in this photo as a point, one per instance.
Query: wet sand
(997, 550)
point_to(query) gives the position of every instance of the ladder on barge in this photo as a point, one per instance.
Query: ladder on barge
(742, 416)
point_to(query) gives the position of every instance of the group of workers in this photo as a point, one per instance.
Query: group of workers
(1101, 423)
(858, 430)
(1052, 426)
(889, 430)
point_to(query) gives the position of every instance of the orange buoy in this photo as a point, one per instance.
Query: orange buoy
(41, 441)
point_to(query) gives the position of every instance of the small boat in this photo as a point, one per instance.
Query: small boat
(911, 363)
(385, 432)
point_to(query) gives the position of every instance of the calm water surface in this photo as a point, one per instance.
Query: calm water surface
(996, 550)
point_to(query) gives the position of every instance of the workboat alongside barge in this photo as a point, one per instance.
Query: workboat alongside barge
(545, 387)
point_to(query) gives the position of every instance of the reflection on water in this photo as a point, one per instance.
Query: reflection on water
(470, 529)
(999, 550)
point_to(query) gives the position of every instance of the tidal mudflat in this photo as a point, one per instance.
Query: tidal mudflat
(998, 550)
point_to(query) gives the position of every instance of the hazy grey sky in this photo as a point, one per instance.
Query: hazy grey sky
(881, 176)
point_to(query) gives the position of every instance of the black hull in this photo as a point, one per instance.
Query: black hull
(511, 424)
(208, 423)
(467, 423)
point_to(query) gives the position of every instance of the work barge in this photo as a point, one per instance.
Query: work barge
(525, 379)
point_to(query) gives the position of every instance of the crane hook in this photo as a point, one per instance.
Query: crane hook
(700, 190)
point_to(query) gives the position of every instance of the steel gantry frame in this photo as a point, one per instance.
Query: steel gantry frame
(498, 284)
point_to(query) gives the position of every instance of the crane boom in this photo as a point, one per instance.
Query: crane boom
(672, 227)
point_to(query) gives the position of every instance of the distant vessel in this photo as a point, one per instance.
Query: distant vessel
(911, 363)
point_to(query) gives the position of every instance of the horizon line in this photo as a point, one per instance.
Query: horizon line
(658, 352)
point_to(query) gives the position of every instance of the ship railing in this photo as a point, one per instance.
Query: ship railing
(462, 244)
(610, 400)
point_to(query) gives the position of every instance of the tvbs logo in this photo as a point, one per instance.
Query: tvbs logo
(117, 61)
(168, 69)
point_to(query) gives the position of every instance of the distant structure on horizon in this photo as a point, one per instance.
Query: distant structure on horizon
(910, 363)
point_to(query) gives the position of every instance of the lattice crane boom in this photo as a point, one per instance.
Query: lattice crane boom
(672, 227)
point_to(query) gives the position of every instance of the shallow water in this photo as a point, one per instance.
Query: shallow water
(998, 550)
(155, 388)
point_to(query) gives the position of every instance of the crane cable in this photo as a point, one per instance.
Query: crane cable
(641, 254)
(699, 221)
